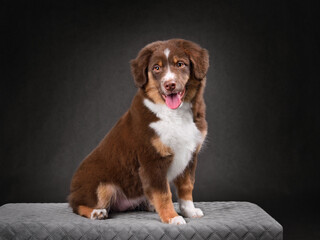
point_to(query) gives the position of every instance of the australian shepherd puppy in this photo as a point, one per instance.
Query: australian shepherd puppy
(154, 143)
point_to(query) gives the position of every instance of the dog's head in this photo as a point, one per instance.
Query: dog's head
(170, 71)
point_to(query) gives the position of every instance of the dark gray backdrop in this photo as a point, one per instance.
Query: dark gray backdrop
(65, 80)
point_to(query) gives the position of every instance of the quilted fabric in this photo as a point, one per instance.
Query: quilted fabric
(222, 220)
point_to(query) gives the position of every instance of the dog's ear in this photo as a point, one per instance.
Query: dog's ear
(199, 58)
(139, 66)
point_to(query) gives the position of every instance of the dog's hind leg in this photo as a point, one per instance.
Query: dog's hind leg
(106, 194)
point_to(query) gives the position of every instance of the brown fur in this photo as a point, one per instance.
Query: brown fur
(106, 194)
(162, 149)
(162, 201)
(184, 184)
(131, 158)
(85, 211)
(152, 90)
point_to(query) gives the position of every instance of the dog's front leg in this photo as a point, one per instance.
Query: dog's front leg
(184, 184)
(159, 194)
(162, 202)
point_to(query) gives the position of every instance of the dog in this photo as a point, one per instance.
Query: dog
(155, 142)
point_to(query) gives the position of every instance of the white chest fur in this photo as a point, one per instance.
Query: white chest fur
(176, 130)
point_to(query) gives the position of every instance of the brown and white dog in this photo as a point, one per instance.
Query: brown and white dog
(155, 142)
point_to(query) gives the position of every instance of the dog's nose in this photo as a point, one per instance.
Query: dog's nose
(169, 85)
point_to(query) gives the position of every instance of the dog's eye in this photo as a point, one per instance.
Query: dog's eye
(156, 68)
(180, 64)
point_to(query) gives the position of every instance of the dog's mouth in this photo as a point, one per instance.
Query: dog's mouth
(174, 100)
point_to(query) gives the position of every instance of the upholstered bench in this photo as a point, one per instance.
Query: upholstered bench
(222, 220)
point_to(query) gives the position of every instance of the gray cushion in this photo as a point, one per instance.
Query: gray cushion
(222, 220)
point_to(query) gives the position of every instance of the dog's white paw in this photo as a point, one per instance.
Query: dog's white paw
(188, 210)
(192, 212)
(98, 214)
(178, 220)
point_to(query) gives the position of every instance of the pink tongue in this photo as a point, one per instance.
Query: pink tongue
(173, 101)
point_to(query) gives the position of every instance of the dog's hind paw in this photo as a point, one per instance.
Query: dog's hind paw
(99, 214)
